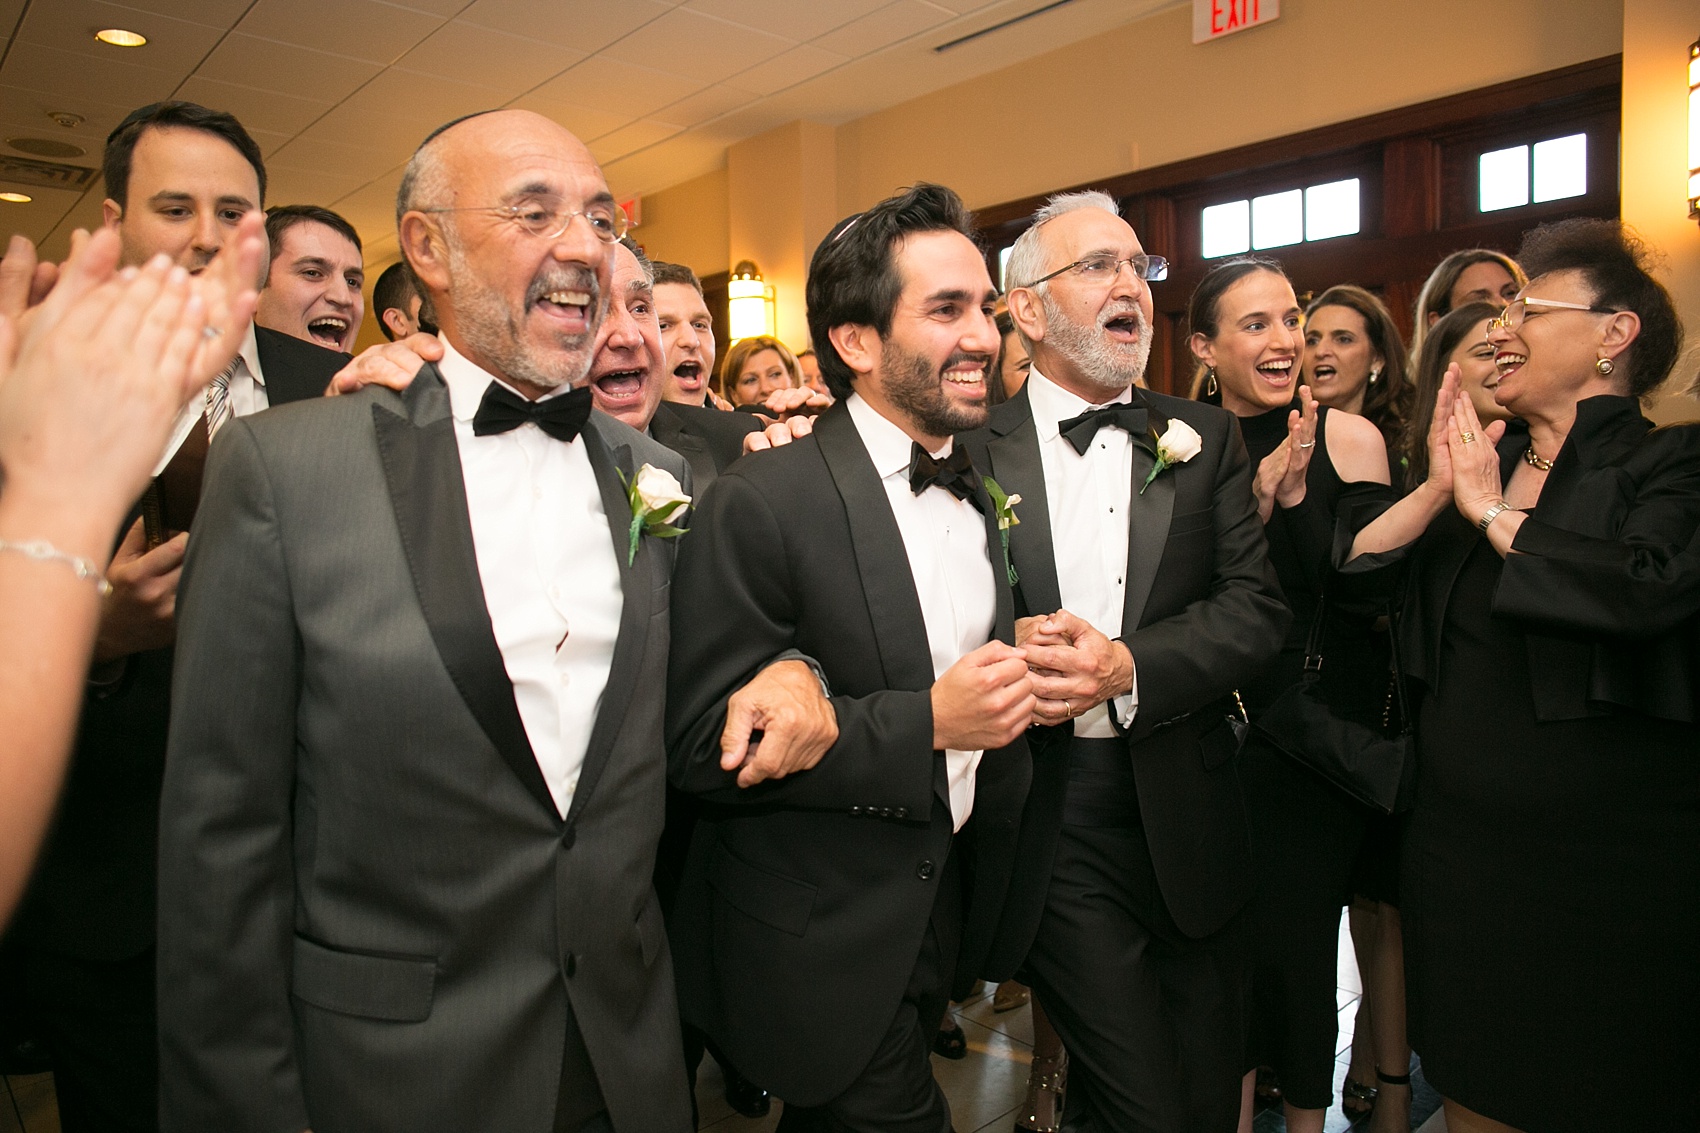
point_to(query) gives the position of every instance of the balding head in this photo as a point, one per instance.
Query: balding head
(478, 212)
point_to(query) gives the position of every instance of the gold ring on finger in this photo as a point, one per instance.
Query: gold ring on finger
(1467, 437)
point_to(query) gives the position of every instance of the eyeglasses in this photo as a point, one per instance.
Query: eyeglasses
(1512, 317)
(548, 217)
(1104, 269)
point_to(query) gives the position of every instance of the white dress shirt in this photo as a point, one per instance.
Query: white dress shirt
(945, 540)
(1088, 498)
(550, 576)
(247, 395)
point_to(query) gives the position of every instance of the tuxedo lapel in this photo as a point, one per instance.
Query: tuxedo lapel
(1004, 627)
(637, 583)
(1013, 461)
(666, 429)
(422, 468)
(1150, 513)
(888, 584)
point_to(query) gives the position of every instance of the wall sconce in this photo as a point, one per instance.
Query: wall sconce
(1694, 130)
(750, 303)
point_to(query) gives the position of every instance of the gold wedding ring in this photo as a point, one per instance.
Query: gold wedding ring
(1068, 708)
(1467, 437)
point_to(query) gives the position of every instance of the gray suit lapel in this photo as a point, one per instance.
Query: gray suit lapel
(422, 469)
(1149, 517)
(637, 583)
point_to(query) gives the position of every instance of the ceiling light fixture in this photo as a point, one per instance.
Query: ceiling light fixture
(1011, 22)
(16, 198)
(1694, 130)
(119, 37)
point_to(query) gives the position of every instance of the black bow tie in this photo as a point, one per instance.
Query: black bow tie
(503, 410)
(1080, 430)
(955, 473)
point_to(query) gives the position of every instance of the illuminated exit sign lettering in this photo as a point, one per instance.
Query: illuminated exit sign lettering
(1213, 19)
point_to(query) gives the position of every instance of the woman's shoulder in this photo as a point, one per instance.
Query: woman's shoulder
(1355, 447)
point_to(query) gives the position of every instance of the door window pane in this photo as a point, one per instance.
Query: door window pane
(1561, 168)
(1505, 178)
(1227, 229)
(1331, 210)
(1277, 219)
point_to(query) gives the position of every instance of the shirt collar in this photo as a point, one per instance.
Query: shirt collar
(888, 445)
(467, 381)
(1053, 404)
(250, 355)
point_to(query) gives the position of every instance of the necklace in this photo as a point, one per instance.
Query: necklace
(1534, 461)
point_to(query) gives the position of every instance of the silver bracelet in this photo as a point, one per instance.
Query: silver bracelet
(44, 552)
(1492, 514)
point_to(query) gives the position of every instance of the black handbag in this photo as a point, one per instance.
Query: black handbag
(1372, 767)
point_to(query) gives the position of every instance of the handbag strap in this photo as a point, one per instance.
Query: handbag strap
(1313, 639)
(1406, 725)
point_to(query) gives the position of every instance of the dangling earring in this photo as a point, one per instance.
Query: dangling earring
(1210, 382)
(1604, 366)
(1374, 375)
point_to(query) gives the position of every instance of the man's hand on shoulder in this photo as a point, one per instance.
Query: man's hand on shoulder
(786, 704)
(1075, 667)
(781, 433)
(392, 365)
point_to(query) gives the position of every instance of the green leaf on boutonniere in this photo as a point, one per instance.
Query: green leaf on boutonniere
(1003, 506)
(657, 500)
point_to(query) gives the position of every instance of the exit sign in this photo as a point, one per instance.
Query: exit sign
(1213, 19)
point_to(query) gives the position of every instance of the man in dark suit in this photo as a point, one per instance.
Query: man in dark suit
(178, 177)
(824, 913)
(1147, 598)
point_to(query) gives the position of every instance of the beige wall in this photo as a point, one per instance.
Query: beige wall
(1656, 35)
(1077, 113)
(688, 225)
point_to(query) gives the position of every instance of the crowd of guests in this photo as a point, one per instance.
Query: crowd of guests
(965, 647)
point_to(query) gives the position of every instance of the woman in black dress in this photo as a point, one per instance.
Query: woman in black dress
(1551, 868)
(1248, 335)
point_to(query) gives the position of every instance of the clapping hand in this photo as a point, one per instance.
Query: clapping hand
(1280, 476)
(1474, 459)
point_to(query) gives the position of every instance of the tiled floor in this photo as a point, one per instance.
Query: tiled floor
(985, 1088)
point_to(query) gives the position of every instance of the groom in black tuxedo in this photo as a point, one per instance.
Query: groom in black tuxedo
(825, 910)
(1143, 566)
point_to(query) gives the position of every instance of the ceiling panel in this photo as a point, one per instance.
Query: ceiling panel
(360, 163)
(292, 187)
(427, 101)
(213, 13)
(267, 110)
(788, 18)
(630, 139)
(795, 66)
(697, 108)
(250, 61)
(583, 25)
(583, 121)
(40, 214)
(701, 47)
(48, 70)
(365, 29)
(69, 25)
(879, 30)
(618, 87)
(508, 65)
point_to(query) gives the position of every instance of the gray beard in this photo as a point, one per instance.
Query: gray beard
(1108, 366)
(492, 330)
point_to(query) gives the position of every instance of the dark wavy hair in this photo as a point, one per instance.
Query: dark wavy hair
(1613, 260)
(1387, 401)
(121, 142)
(1443, 338)
(853, 277)
(1203, 309)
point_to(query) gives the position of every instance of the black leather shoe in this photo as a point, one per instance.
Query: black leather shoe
(952, 1043)
(746, 1097)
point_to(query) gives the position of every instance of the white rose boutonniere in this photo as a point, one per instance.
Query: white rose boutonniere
(1003, 505)
(657, 500)
(1179, 443)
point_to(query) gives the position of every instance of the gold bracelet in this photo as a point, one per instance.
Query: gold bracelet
(1492, 514)
(44, 552)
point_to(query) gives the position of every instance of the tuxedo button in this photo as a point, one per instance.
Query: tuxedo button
(855, 812)
(902, 812)
(572, 965)
(568, 837)
(924, 871)
(885, 812)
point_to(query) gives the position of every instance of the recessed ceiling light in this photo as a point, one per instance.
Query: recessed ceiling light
(45, 147)
(16, 198)
(118, 37)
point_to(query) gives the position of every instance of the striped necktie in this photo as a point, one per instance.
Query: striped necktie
(218, 399)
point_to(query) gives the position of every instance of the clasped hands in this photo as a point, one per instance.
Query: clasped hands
(1463, 458)
(1074, 667)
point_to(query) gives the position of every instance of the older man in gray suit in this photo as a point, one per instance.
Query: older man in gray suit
(416, 775)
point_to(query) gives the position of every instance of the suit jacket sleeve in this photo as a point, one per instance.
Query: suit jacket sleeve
(226, 882)
(1204, 652)
(735, 610)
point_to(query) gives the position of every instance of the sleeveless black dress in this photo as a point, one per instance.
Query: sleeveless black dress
(1306, 833)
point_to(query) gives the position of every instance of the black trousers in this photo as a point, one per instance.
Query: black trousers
(1154, 1022)
(96, 1019)
(896, 1092)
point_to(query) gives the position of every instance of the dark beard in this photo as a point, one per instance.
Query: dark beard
(916, 389)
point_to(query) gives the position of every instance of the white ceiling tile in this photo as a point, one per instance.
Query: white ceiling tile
(293, 187)
(266, 110)
(710, 102)
(879, 30)
(85, 214)
(250, 61)
(583, 25)
(29, 109)
(311, 155)
(212, 13)
(667, 164)
(618, 87)
(630, 139)
(173, 45)
(372, 207)
(443, 8)
(67, 74)
(420, 102)
(365, 29)
(701, 47)
(1003, 9)
(581, 120)
(787, 17)
(795, 66)
(507, 64)
(37, 218)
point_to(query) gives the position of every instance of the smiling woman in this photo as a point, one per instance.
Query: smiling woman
(756, 367)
